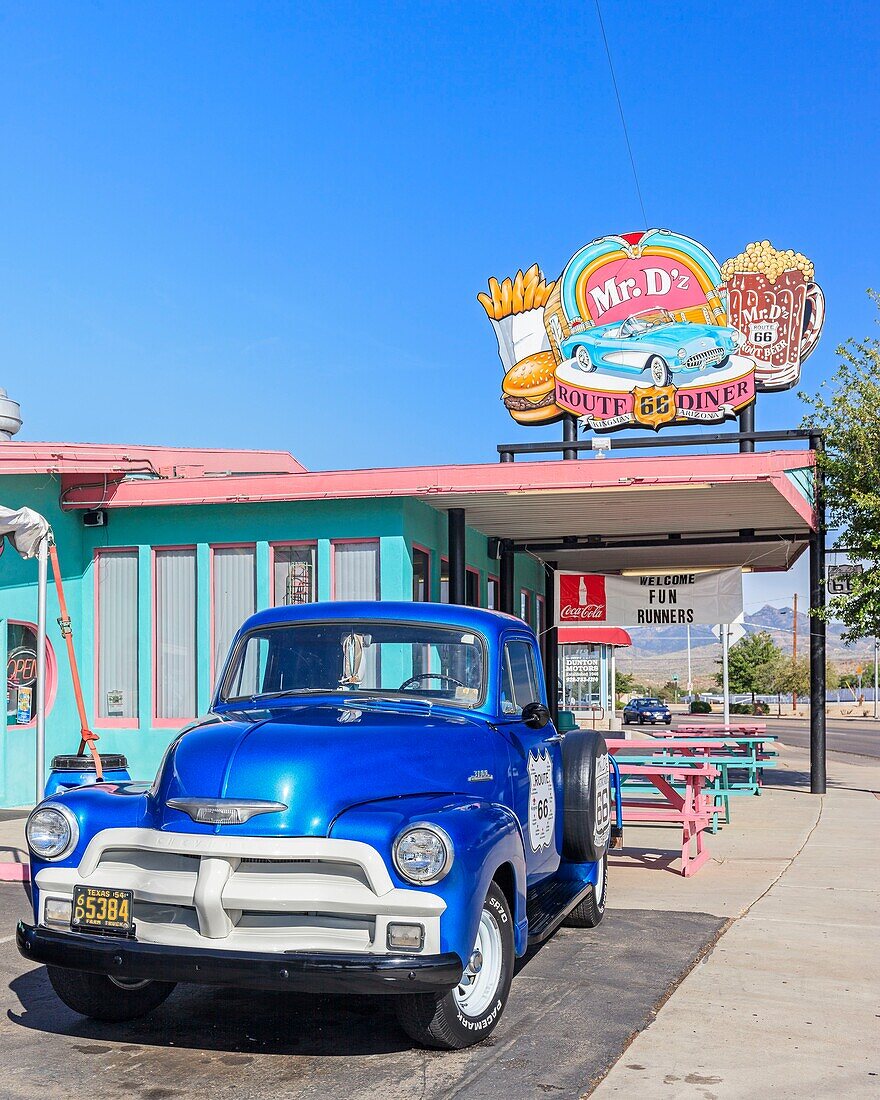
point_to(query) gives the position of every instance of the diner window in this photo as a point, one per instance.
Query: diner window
(175, 638)
(493, 594)
(117, 627)
(421, 560)
(540, 617)
(234, 592)
(356, 570)
(525, 606)
(444, 580)
(472, 588)
(21, 674)
(294, 575)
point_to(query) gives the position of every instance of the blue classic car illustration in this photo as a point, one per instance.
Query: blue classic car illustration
(376, 803)
(651, 341)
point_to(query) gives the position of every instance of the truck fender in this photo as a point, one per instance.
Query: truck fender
(487, 842)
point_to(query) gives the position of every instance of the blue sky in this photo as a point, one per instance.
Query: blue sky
(265, 224)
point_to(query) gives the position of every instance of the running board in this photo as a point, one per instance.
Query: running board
(549, 903)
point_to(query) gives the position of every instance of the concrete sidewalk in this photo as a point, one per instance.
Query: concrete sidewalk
(787, 1002)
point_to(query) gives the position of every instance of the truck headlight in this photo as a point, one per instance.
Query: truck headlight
(52, 832)
(423, 853)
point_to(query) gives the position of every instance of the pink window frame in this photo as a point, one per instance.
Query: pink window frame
(51, 679)
(490, 579)
(281, 545)
(528, 618)
(111, 723)
(426, 550)
(157, 722)
(352, 542)
(221, 546)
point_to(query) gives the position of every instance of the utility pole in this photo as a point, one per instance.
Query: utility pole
(794, 656)
(690, 677)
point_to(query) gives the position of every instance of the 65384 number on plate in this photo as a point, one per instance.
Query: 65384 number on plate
(102, 909)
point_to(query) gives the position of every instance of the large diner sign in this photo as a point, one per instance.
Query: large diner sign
(655, 599)
(647, 330)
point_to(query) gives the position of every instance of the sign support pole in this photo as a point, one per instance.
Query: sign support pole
(876, 671)
(725, 650)
(457, 557)
(42, 585)
(817, 631)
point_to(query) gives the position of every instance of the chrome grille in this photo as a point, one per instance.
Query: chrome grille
(702, 359)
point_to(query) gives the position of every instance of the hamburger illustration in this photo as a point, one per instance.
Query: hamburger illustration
(529, 390)
(516, 309)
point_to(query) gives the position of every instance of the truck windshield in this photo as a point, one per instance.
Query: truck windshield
(406, 660)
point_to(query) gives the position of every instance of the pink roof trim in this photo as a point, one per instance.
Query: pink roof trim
(430, 482)
(166, 462)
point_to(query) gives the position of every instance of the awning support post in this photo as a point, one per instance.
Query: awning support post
(42, 585)
(550, 641)
(506, 582)
(457, 557)
(817, 631)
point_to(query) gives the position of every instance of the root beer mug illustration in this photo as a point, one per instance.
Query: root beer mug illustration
(776, 305)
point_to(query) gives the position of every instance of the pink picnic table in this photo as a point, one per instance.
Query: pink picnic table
(692, 809)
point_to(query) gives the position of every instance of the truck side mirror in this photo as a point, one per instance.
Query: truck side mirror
(535, 715)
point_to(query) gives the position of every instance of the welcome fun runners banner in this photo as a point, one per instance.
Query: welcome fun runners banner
(658, 599)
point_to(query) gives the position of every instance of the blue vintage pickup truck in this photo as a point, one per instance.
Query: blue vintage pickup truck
(376, 803)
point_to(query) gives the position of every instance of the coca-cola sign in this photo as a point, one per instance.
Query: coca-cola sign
(582, 598)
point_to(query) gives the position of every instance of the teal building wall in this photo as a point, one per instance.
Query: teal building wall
(397, 524)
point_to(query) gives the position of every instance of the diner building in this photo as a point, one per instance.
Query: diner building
(164, 552)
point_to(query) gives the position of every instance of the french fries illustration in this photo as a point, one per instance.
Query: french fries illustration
(526, 290)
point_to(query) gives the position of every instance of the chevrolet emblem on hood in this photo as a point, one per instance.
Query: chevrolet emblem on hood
(224, 811)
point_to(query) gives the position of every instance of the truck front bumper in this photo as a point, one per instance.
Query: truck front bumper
(324, 972)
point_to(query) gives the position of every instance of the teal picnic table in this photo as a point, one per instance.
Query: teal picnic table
(753, 739)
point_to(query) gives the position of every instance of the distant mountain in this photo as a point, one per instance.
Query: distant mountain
(656, 641)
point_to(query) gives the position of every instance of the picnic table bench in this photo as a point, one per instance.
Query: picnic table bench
(690, 806)
(739, 761)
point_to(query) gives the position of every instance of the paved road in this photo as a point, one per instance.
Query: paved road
(573, 1008)
(858, 737)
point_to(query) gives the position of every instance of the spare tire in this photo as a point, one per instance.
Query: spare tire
(586, 796)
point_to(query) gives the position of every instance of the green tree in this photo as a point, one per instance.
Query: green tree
(791, 677)
(848, 416)
(752, 664)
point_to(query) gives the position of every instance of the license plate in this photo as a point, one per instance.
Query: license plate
(102, 909)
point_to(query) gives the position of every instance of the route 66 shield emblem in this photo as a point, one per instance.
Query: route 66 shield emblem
(542, 801)
(654, 406)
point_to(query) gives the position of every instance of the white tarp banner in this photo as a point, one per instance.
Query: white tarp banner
(658, 599)
(25, 527)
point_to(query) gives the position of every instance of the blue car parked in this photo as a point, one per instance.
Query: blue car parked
(378, 802)
(647, 710)
(652, 341)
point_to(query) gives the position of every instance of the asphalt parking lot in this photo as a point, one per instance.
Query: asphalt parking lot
(574, 1006)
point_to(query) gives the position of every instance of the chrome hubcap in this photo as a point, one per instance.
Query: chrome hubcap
(479, 982)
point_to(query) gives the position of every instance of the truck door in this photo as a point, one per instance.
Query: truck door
(535, 760)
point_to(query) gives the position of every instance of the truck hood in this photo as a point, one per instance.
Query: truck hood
(321, 759)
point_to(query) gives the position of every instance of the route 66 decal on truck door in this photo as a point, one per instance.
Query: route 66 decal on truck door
(542, 801)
